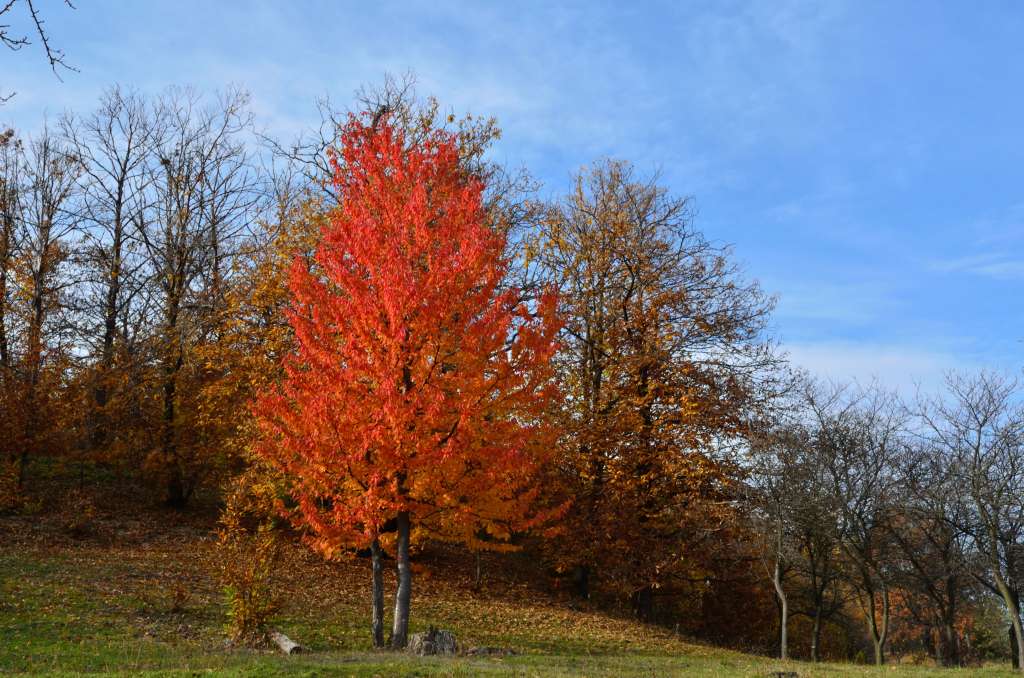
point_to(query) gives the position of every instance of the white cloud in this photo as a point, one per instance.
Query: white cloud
(851, 304)
(902, 367)
(998, 266)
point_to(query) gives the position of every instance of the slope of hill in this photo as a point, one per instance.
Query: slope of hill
(140, 597)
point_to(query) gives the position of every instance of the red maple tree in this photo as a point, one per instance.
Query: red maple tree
(414, 403)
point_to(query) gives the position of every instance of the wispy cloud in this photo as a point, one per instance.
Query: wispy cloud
(848, 303)
(902, 367)
(998, 266)
(762, 69)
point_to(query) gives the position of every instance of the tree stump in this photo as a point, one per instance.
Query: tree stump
(432, 642)
(287, 645)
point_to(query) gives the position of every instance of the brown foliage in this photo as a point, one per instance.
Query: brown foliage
(661, 362)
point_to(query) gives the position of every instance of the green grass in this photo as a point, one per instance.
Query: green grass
(150, 605)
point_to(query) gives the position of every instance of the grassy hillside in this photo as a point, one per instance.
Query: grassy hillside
(137, 597)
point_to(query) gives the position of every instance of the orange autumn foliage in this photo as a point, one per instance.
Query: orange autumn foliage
(418, 383)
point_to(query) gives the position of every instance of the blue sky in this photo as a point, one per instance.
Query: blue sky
(864, 158)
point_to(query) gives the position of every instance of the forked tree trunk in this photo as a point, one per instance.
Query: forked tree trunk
(879, 632)
(377, 624)
(400, 629)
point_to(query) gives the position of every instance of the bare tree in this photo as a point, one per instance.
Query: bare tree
(860, 435)
(14, 41)
(772, 496)
(979, 427)
(41, 213)
(816, 540)
(12, 179)
(799, 521)
(113, 144)
(934, 550)
(12, 187)
(204, 189)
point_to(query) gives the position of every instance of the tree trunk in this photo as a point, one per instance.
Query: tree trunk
(878, 633)
(101, 393)
(783, 610)
(34, 361)
(377, 624)
(581, 582)
(1012, 601)
(177, 492)
(1014, 654)
(950, 645)
(643, 604)
(884, 635)
(5, 256)
(1018, 641)
(400, 629)
(816, 636)
(951, 639)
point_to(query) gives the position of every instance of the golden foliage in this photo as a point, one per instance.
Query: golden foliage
(248, 548)
(658, 362)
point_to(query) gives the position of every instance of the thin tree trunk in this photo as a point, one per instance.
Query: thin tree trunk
(377, 624)
(101, 393)
(177, 492)
(643, 604)
(175, 488)
(34, 360)
(6, 256)
(1014, 654)
(35, 368)
(816, 636)
(5, 356)
(952, 639)
(884, 635)
(783, 610)
(403, 596)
